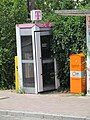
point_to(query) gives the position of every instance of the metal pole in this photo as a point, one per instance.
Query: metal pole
(88, 53)
(30, 6)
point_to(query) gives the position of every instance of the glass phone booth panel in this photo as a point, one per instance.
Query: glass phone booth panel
(36, 67)
(27, 61)
(47, 63)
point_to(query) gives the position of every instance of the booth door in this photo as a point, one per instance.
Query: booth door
(48, 73)
(27, 64)
(46, 66)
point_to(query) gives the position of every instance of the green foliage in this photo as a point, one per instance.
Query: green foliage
(70, 38)
(69, 34)
(51, 5)
(11, 13)
(85, 6)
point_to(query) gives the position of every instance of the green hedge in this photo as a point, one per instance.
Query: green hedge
(69, 38)
(11, 13)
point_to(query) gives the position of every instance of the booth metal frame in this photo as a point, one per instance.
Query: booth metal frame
(34, 30)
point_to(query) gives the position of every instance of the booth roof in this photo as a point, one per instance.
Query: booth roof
(32, 25)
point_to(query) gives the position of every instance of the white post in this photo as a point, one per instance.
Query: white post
(88, 52)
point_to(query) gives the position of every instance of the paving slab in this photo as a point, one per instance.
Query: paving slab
(53, 106)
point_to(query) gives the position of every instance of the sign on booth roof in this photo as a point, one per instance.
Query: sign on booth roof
(36, 15)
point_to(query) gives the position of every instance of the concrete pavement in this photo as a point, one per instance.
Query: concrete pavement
(44, 106)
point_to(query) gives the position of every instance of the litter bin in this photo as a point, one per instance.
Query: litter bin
(77, 73)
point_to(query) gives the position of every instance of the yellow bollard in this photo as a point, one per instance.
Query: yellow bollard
(16, 73)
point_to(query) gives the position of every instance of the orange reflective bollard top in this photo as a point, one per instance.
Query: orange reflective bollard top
(77, 73)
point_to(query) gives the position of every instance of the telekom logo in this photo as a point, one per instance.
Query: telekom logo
(37, 15)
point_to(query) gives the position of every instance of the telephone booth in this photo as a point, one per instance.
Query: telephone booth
(36, 66)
